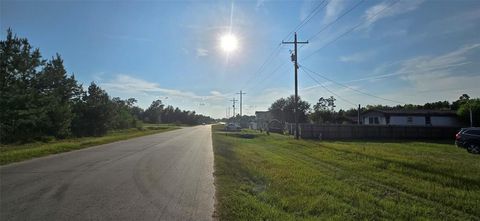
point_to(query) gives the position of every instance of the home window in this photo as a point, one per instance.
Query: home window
(428, 121)
(409, 120)
(373, 120)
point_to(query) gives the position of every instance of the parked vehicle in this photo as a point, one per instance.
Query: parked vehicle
(232, 127)
(469, 138)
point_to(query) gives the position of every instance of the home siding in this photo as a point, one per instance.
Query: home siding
(444, 121)
(402, 120)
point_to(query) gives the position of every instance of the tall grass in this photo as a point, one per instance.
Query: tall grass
(277, 178)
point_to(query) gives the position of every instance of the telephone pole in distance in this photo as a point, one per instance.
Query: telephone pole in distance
(233, 101)
(241, 93)
(295, 60)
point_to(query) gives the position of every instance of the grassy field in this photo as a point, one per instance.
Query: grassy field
(19, 152)
(275, 177)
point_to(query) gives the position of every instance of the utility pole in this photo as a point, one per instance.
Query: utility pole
(471, 118)
(241, 93)
(358, 115)
(295, 60)
(234, 101)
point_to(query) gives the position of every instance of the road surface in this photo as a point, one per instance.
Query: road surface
(166, 176)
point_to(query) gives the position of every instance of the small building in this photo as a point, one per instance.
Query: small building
(446, 118)
(262, 118)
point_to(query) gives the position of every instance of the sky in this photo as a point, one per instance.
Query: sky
(361, 52)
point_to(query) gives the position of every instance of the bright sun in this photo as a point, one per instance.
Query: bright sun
(229, 42)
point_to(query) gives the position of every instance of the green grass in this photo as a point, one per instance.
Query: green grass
(18, 152)
(278, 178)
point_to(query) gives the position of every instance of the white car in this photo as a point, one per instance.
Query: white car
(232, 127)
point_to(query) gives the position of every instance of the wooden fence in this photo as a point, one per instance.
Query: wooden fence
(349, 131)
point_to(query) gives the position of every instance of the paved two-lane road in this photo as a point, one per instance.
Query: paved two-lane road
(166, 176)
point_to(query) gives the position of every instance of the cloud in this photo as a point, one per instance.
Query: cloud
(259, 4)
(357, 57)
(427, 72)
(201, 52)
(127, 86)
(426, 66)
(332, 10)
(306, 9)
(386, 9)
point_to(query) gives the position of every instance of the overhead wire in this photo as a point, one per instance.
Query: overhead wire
(276, 51)
(352, 29)
(324, 87)
(348, 87)
(335, 20)
(312, 14)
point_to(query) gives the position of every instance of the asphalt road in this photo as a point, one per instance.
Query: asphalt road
(166, 176)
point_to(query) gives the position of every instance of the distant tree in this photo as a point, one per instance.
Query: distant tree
(464, 110)
(122, 116)
(93, 113)
(283, 110)
(153, 114)
(323, 110)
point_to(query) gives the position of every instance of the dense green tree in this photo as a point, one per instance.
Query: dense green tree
(153, 114)
(323, 111)
(122, 116)
(38, 98)
(283, 110)
(463, 111)
(57, 90)
(94, 113)
(21, 115)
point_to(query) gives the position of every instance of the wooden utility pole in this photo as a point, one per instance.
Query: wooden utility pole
(241, 93)
(358, 114)
(234, 101)
(295, 60)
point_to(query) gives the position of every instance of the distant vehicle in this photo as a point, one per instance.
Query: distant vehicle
(232, 127)
(469, 138)
(203, 123)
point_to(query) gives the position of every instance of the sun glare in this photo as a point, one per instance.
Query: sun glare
(229, 42)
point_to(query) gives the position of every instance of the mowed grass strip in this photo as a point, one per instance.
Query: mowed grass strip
(18, 152)
(277, 178)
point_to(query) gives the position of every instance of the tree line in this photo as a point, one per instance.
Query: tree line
(39, 99)
(324, 110)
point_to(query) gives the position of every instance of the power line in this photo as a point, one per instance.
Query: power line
(352, 29)
(312, 14)
(324, 87)
(275, 51)
(271, 74)
(346, 86)
(261, 69)
(336, 19)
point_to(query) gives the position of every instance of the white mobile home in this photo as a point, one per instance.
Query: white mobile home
(410, 117)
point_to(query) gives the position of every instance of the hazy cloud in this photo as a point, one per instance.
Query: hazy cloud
(332, 10)
(201, 52)
(357, 57)
(381, 11)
